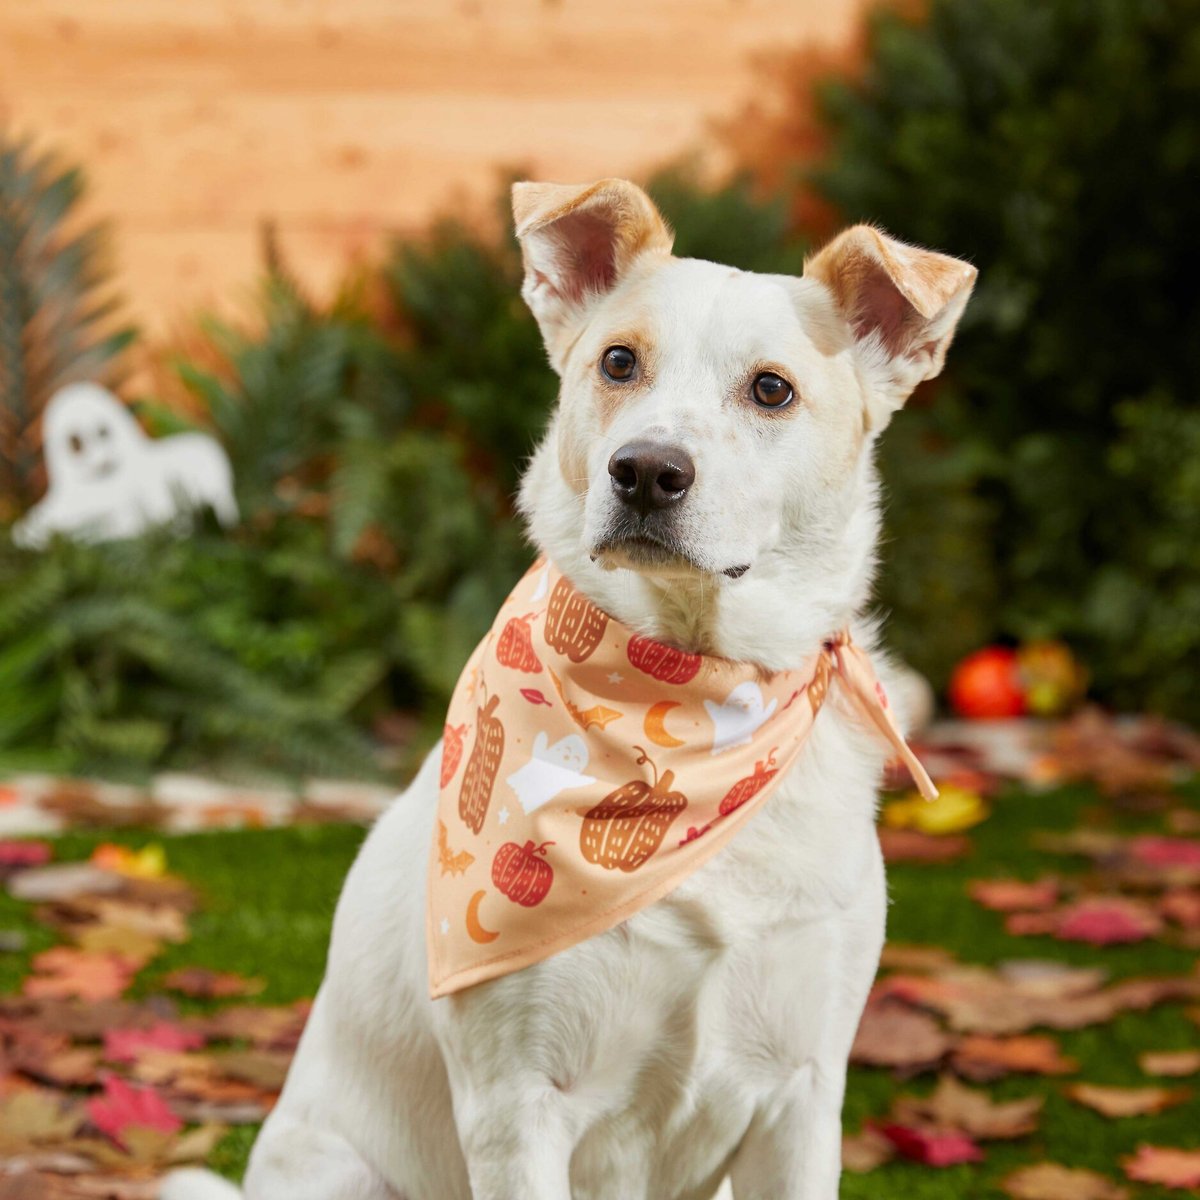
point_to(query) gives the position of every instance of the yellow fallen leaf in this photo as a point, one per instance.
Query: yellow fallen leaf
(954, 810)
(150, 862)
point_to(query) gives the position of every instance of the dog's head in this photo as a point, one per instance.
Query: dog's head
(709, 416)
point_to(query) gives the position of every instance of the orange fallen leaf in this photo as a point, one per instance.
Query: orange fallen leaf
(952, 1107)
(1164, 1165)
(983, 1059)
(1014, 895)
(63, 971)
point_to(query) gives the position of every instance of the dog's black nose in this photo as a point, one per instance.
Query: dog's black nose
(647, 475)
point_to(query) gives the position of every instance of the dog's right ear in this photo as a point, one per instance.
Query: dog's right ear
(577, 240)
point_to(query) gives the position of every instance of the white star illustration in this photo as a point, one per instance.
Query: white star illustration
(504, 816)
(616, 677)
(445, 925)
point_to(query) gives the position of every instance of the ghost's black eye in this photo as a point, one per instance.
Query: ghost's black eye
(102, 432)
(770, 390)
(76, 443)
(619, 363)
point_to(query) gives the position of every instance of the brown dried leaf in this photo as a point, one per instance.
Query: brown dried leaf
(890, 1035)
(201, 983)
(1126, 1102)
(1050, 1181)
(897, 956)
(1170, 1062)
(865, 1151)
(951, 1106)
(910, 845)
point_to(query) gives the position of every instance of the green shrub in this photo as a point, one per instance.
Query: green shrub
(1056, 145)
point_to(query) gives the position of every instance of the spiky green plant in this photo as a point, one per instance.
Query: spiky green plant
(58, 314)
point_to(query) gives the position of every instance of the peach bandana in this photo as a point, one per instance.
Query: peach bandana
(587, 771)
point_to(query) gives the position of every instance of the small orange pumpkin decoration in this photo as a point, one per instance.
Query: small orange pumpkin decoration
(629, 824)
(480, 776)
(746, 789)
(515, 647)
(452, 748)
(664, 663)
(522, 872)
(574, 625)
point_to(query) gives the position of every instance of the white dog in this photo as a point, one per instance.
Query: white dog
(107, 479)
(707, 479)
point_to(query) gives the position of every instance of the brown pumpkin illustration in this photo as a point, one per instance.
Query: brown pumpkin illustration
(574, 625)
(452, 748)
(522, 872)
(665, 663)
(819, 687)
(746, 789)
(515, 647)
(480, 775)
(629, 824)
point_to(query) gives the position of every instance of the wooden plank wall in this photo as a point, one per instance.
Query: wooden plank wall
(340, 119)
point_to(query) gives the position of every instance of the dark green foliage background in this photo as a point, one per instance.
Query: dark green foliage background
(1048, 485)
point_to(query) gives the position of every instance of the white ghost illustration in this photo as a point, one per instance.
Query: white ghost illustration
(737, 719)
(551, 769)
(107, 479)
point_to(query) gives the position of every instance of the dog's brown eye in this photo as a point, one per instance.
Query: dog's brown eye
(619, 363)
(771, 390)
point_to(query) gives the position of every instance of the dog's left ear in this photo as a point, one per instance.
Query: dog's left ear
(577, 240)
(902, 304)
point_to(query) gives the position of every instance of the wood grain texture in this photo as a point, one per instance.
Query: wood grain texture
(339, 119)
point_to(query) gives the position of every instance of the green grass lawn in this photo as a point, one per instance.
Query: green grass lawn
(268, 899)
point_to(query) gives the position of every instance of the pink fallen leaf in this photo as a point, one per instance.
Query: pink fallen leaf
(1106, 922)
(932, 1148)
(17, 854)
(128, 1045)
(1153, 851)
(1164, 1165)
(122, 1107)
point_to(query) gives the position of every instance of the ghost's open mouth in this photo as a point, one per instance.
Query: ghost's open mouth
(104, 469)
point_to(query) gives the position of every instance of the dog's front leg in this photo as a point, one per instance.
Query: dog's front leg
(793, 1150)
(517, 1139)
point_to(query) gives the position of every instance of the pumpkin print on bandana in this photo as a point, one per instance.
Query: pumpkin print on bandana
(577, 806)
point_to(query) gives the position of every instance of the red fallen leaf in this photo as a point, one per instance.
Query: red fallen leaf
(63, 971)
(1165, 851)
(1014, 895)
(1106, 922)
(127, 1045)
(535, 697)
(17, 854)
(931, 1148)
(1164, 1165)
(122, 1107)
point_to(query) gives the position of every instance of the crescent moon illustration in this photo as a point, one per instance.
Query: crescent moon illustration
(656, 731)
(477, 931)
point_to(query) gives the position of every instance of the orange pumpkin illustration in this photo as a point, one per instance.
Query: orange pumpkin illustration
(574, 625)
(452, 748)
(629, 824)
(664, 663)
(480, 776)
(746, 789)
(819, 687)
(515, 647)
(522, 873)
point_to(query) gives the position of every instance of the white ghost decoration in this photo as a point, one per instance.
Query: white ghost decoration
(736, 720)
(551, 770)
(107, 479)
